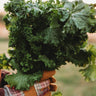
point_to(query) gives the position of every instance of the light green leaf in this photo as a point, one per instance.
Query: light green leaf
(89, 73)
(57, 94)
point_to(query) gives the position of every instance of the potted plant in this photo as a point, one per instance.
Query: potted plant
(44, 35)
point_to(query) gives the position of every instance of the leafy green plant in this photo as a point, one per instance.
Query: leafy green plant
(44, 35)
(4, 62)
(57, 94)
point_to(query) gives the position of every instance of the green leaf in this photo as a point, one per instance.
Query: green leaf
(51, 36)
(78, 14)
(4, 62)
(47, 62)
(89, 73)
(81, 58)
(92, 49)
(23, 81)
(57, 94)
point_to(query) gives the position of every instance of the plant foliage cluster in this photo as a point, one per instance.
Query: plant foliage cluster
(44, 35)
(4, 62)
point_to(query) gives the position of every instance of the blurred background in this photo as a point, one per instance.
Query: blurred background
(69, 80)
